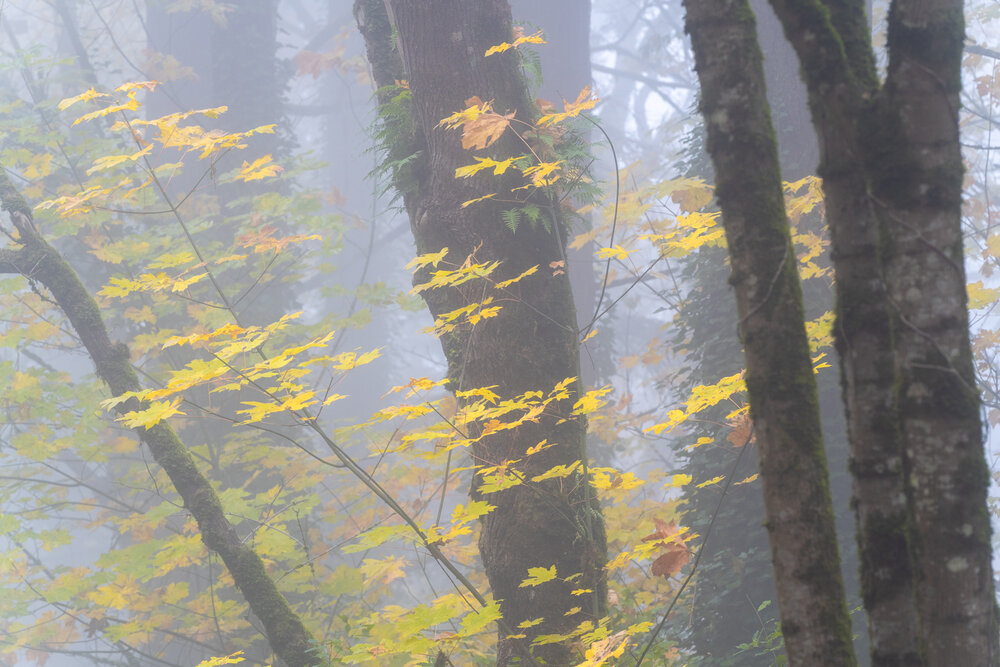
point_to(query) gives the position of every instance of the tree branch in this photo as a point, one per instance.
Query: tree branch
(37, 260)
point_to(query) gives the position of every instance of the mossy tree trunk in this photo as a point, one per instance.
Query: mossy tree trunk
(891, 164)
(892, 168)
(780, 379)
(38, 261)
(532, 343)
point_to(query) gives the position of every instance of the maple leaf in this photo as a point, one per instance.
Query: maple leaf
(259, 169)
(981, 296)
(155, 413)
(478, 199)
(742, 430)
(520, 38)
(507, 283)
(663, 530)
(384, 571)
(130, 105)
(311, 62)
(694, 197)
(584, 101)
(676, 553)
(670, 563)
(432, 258)
(82, 97)
(481, 126)
(484, 130)
(538, 575)
(484, 163)
(231, 659)
(609, 647)
(614, 252)
(543, 173)
(137, 85)
(263, 240)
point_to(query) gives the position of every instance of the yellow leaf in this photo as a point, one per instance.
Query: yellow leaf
(610, 647)
(619, 561)
(591, 401)
(538, 575)
(583, 102)
(230, 659)
(116, 595)
(379, 573)
(152, 415)
(478, 199)
(131, 105)
(981, 296)
(82, 97)
(136, 85)
(39, 167)
(258, 411)
(109, 161)
(678, 481)
(540, 173)
(557, 472)
(714, 480)
(259, 169)
(173, 260)
(615, 252)
(415, 385)
(484, 163)
(476, 509)
(432, 258)
(607, 479)
(507, 283)
(504, 46)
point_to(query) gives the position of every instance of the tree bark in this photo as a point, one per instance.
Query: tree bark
(918, 190)
(531, 344)
(863, 334)
(892, 173)
(780, 379)
(565, 62)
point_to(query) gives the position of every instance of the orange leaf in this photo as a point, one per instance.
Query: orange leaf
(742, 430)
(484, 130)
(663, 530)
(670, 563)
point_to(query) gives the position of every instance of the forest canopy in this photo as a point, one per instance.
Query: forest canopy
(498, 333)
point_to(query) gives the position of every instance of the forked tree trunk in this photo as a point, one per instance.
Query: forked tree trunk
(893, 173)
(531, 344)
(780, 380)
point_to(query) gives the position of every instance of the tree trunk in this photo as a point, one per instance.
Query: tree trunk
(531, 344)
(918, 186)
(892, 170)
(565, 62)
(780, 378)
